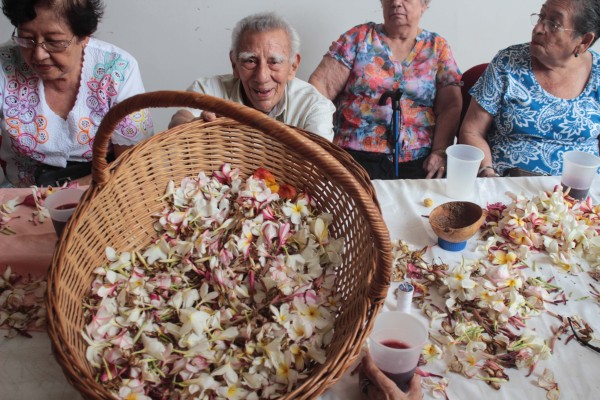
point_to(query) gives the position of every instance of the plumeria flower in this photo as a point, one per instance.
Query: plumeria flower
(231, 284)
(296, 210)
(547, 382)
(431, 351)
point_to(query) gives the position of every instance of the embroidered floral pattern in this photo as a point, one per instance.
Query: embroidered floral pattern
(34, 133)
(84, 137)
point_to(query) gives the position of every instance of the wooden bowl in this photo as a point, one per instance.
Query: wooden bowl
(455, 222)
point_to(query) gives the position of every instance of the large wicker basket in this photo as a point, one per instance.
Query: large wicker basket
(116, 211)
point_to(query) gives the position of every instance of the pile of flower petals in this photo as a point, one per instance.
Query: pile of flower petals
(235, 299)
(480, 309)
(5, 210)
(21, 303)
(551, 222)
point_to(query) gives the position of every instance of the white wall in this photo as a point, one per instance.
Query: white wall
(176, 41)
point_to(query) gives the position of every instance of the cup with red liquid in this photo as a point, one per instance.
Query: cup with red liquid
(395, 344)
(61, 205)
(579, 171)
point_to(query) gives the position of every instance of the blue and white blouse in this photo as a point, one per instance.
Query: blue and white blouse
(532, 128)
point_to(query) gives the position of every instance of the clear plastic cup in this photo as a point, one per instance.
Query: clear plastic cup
(61, 205)
(579, 171)
(395, 344)
(463, 164)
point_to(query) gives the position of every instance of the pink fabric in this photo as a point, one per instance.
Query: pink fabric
(30, 250)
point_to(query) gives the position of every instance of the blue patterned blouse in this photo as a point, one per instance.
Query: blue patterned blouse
(532, 128)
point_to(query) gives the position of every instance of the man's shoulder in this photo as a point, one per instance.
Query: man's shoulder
(217, 85)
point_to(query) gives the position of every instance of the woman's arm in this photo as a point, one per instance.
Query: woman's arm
(330, 77)
(474, 130)
(447, 107)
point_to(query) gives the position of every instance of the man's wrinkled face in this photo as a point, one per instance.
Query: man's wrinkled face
(264, 67)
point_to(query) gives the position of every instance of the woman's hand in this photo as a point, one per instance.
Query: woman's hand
(487, 172)
(435, 164)
(374, 385)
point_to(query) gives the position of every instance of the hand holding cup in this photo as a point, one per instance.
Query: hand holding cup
(374, 385)
(396, 343)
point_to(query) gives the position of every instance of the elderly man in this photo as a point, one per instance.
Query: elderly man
(265, 54)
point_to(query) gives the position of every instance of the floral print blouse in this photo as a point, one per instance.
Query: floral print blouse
(359, 122)
(531, 128)
(32, 133)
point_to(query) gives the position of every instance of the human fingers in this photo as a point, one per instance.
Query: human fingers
(414, 390)
(386, 385)
(208, 116)
(440, 172)
(489, 173)
(435, 170)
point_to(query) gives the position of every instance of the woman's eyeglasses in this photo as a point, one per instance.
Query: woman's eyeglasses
(548, 25)
(51, 46)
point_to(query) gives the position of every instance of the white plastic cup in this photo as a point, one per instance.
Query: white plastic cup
(579, 171)
(463, 164)
(392, 330)
(61, 205)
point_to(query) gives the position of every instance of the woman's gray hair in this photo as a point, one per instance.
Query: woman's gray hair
(265, 22)
(586, 17)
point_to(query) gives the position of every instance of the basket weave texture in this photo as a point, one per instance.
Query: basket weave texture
(117, 211)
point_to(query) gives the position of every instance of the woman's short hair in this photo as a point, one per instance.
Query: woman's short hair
(265, 22)
(82, 16)
(586, 17)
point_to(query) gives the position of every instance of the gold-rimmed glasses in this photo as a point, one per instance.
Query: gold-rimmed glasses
(548, 24)
(51, 46)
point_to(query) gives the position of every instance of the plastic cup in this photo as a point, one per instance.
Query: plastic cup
(61, 205)
(395, 343)
(463, 164)
(579, 171)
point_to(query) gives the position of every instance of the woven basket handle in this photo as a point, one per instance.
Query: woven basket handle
(249, 116)
(264, 123)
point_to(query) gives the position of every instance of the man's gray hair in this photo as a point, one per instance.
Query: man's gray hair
(424, 2)
(265, 22)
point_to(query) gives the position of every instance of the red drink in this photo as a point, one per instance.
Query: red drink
(67, 206)
(59, 226)
(395, 344)
(402, 380)
(578, 194)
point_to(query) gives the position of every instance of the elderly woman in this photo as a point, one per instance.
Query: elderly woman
(537, 100)
(56, 85)
(372, 59)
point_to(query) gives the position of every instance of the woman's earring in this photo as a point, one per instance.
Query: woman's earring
(576, 55)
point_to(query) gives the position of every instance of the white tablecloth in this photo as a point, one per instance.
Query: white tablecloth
(575, 367)
(28, 370)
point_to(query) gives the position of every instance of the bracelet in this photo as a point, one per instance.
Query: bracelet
(441, 152)
(486, 167)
